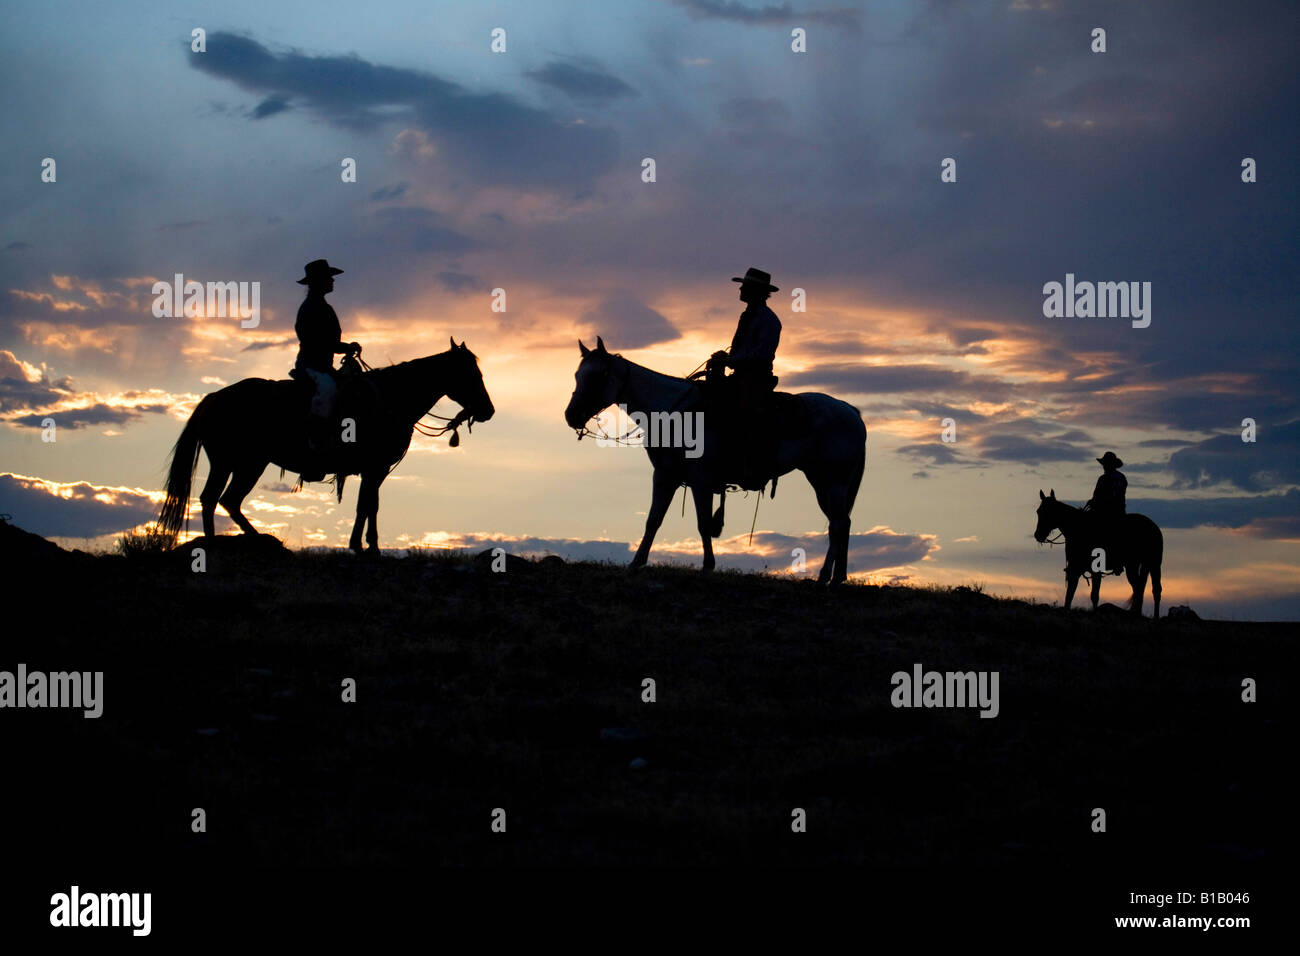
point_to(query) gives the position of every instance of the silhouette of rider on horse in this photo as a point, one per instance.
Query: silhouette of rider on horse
(743, 396)
(320, 338)
(1107, 507)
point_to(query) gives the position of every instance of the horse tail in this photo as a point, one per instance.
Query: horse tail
(184, 459)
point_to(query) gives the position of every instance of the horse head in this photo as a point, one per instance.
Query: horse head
(1049, 515)
(597, 385)
(466, 387)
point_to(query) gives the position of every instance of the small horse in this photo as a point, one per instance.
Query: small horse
(831, 454)
(256, 422)
(1141, 550)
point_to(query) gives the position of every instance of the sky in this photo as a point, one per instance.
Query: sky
(522, 170)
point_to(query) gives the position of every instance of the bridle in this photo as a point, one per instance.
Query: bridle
(585, 429)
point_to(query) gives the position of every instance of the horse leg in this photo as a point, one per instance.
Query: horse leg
(1137, 581)
(1096, 589)
(1155, 589)
(1071, 582)
(835, 500)
(665, 484)
(703, 496)
(372, 533)
(241, 484)
(218, 475)
(363, 511)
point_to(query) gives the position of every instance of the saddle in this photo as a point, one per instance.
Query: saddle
(752, 425)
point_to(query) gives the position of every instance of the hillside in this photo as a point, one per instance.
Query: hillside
(522, 690)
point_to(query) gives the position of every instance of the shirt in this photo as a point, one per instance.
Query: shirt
(1108, 496)
(319, 334)
(757, 335)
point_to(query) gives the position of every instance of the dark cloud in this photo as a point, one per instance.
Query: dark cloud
(628, 323)
(78, 511)
(901, 379)
(769, 550)
(581, 82)
(395, 191)
(269, 107)
(480, 132)
(1271, 461)
(269, 344)
(778, 14)
(459, 282)
(1264, 516)
(418, 230)
(100, 414)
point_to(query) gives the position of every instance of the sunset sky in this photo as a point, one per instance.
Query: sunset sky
(522, 170)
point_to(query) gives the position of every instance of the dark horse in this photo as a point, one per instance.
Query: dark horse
(1141, 547)
(256, 422)
(831, 453)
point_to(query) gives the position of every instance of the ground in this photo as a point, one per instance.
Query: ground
(522, 690)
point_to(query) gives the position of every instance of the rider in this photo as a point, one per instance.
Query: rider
(320, 338)
(1107, 504)
(752, 352)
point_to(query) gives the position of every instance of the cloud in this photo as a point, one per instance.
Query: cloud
(1272, 460)
(269, 107)
(419, 230)
(386, 193)
(459, 282)
(28, 396)
(901, 379)
(877, 549)
(1262, 516)
(74, 509)
(628, 323)
(479, 132)
(580, 82)
(98, 414)
(769, 15)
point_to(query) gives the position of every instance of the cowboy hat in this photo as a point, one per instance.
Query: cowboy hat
(1110, 459)
(318, 269)
(757, 277)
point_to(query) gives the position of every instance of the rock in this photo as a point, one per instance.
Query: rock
(638, 763)
(1182, 613)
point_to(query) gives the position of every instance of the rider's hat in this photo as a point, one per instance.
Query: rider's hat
(1110, 459)
(757, 277)
(316, 270)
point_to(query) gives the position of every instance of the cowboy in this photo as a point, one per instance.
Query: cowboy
(319, 339)
(1107, 504)
(752, 352)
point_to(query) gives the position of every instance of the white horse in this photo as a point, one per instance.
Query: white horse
(831, 453)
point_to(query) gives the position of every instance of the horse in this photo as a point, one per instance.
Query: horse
(1141, 549)
(831, 454)
(256, 422)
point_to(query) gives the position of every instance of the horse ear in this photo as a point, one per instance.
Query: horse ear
(600, 344)
(585, 351)
(1041, 496)
(1053, 494)
(453, 340)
